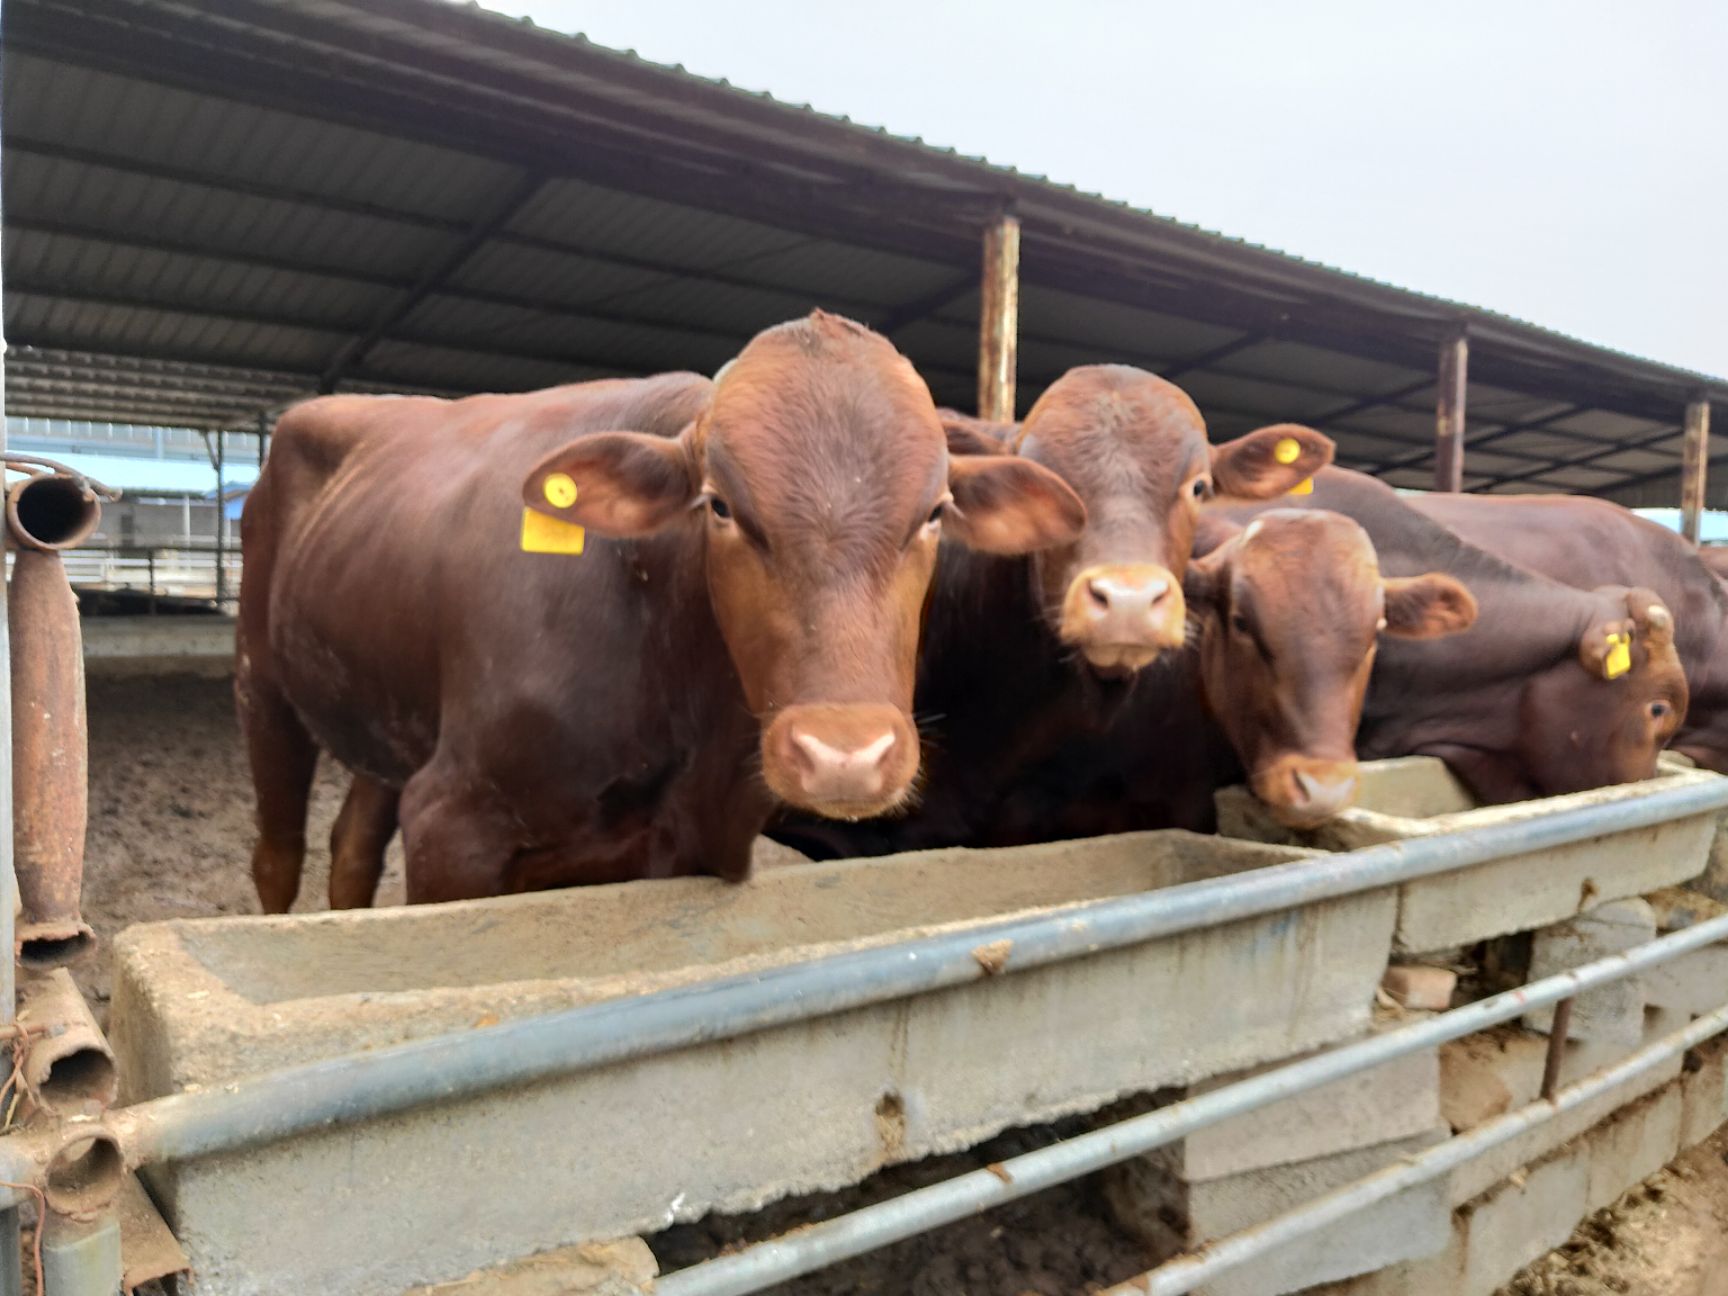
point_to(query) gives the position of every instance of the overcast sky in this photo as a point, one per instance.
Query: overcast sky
(1564, 162)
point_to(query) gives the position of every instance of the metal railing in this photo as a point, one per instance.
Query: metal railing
(178, 569)
(384, 1081)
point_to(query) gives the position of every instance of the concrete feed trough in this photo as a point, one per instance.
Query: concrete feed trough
(1416, 796)
(730, 1125)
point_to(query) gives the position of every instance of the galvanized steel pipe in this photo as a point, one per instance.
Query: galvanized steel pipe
(387, 1080)
(872, 1227)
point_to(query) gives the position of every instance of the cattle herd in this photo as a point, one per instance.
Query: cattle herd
(619, 629)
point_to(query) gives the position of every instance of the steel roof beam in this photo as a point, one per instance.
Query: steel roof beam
(500, 214)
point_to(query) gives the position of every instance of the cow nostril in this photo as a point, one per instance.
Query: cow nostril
(820, 755)
(1099, 595)
(1156, 591)
(1307, 788)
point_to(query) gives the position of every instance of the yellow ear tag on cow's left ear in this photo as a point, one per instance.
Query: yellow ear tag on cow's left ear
(1287, 451)
(542, 533)
(1619, 658)
(1305, 487)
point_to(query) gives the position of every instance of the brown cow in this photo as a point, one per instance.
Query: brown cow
(1286, 615)
(1553, 690)
(746, 634)
(1587, 542)
(1023, 653)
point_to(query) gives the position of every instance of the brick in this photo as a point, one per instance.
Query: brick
(1171, 1216)
(1396, 1100)
(1615, 1012)
(1515, 1221)
(1426, 989)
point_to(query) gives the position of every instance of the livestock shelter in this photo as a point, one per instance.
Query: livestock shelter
(212, 211)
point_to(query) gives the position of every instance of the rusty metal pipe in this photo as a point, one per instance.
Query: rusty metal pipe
(50, 796)
(52, 511)
(69, 1068)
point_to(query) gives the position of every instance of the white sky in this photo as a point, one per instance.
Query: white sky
(1564, 161)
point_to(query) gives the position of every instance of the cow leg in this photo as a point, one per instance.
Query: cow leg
(458, 843)
(358, 841)
(283, 758)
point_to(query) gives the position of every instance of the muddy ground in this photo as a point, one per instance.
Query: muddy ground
(170, 832)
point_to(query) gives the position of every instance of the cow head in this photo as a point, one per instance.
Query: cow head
(1134, 448)
(820, 481)
(1288, 612)
(1604, 717)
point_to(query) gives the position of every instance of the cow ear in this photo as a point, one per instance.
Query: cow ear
(1006, 505)
(620, 484)
(1605, 649)
(1269, 462)
(1427, 607)
(970, 436)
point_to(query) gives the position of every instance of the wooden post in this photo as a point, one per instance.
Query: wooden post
(1693, 468)
(1449, 414)
(999, 319)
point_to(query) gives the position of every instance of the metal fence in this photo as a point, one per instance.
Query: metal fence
(379, 1082)
(177, 570)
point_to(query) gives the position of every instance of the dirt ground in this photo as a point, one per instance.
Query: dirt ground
(170, 832)
(171, 811)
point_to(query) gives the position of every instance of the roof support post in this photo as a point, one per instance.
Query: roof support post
(221, 531)
(1449, 413)
(1693, 468)
(999, 319)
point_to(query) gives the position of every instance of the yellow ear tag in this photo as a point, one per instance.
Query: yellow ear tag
(1619, 658)
(544, 534)
(1287, 451)
(1303, 487)
(559, 489)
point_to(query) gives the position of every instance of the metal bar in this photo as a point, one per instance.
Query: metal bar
(221, 528)
(1449, 413)
(81, 1258)
(1492, 437)
(916, 1212)
(1186, 1273)
(1694, 468)
(11, 1270)
(1206, 359)
(999, 319)
(922, 308)
(1557, 1032)
(498, 215)
(1585, 460)
(387, 1080)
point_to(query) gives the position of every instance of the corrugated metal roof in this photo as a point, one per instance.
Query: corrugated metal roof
(213, 209)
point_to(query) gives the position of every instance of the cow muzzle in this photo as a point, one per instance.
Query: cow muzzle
(1304, 793)
(1122, 615)
(841, 761)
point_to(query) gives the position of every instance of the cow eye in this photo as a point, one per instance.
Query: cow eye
(1239, 623)
(936, 514)
(1201, 488)
(1658, 710)
(719, 508)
